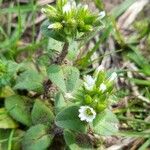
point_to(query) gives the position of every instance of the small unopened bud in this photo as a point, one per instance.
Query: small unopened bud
(56, 25)
(101, 107)
(88, 99)
(102, 14)
(87, 28)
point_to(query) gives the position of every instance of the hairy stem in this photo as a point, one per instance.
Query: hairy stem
(63, 54)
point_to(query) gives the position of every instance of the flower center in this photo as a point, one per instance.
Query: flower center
(88, 112)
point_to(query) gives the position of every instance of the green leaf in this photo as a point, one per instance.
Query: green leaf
(60, 102)
(30, 80)
(72, 78)
(55, 74)
(57, 35)
(77, 141)
(6, 92)
(42, 114)
(6, 122)
(105, 123)
(68, 119)
(140, 82)
(37, 138)
(70, 140)
(55, 45)
(18, 108)
(118, 10)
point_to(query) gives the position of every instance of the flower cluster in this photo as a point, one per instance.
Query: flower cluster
(71, 20)
(97, 90)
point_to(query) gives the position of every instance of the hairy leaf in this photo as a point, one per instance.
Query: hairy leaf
(42, 114)
(72, 78)
(68, 119)
(105, 123)
(37, 138)
(55, 74)
(30, 80)
(18, 108)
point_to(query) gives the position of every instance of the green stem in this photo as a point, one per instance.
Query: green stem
(10, 140)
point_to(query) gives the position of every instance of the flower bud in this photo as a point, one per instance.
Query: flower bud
(87, 28)
(88, 99)
(55, 25)
(101, 106)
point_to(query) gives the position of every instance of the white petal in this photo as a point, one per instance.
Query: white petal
(67, 7)
(102, 87)
(51, 26)
(88, 79)
(102, 14)
(89, 82)
(88, 87)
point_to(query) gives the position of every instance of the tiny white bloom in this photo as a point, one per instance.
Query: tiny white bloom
(113, 76)
(102, 87)
(87, 113)
(67, 7)
(102, 14)
(89, 82)
(68, 96)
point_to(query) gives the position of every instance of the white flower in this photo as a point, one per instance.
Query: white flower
(68, 96)
(67, 7)
(89, 82)
(56, 25)
(87, 113)
(113, 76)
(102, 87)
(102, 14)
